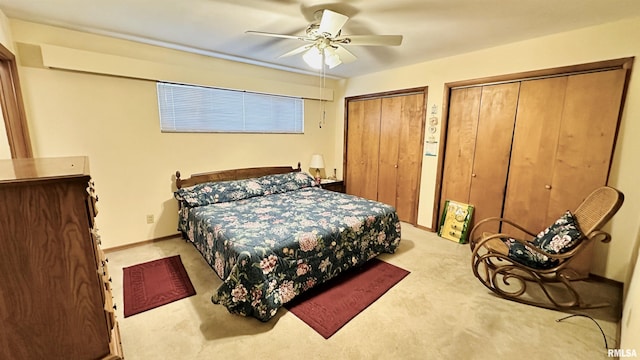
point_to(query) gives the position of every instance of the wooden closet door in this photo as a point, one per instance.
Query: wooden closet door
(401, 129)
(565, 136)
(534, 148)
(479, 136)
(462, 128)
(493, 150)
(563, 144)
(585, 146)
(390, 124)
(363, 144)
(587, 138)
(384, 149)
(411, 136)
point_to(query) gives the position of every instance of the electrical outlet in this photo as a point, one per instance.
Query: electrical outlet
(150, 219)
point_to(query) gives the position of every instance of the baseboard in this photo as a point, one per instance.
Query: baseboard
(421, 227)
(605, 280)
(139, 243)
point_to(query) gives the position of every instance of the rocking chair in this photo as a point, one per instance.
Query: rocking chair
(507, 265)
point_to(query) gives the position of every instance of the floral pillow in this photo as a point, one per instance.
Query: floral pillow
(233, 190)
(216, 192)
(280, 183)
(562, 236)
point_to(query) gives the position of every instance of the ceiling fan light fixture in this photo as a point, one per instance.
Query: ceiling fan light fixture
(313, 57)
(331, 58)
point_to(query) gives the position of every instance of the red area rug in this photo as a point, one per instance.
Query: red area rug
(155, 283)
(328, 307)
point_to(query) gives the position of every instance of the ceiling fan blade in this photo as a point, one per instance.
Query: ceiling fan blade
(296, 37)
(331, 23)
(371, 40)
(297, 50)
(345, 55)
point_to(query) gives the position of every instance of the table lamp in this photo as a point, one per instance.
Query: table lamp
(317, 162)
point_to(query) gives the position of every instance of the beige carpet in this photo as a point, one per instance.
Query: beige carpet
(439, 311)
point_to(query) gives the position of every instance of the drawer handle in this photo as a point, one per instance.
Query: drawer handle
(548, 187)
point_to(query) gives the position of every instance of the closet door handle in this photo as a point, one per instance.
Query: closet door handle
(395, 166)
(548, 187)
(473, 175)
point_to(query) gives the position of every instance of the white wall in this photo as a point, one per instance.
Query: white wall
(5, 151)
(114, 120)
(5, 32)
(630, 322)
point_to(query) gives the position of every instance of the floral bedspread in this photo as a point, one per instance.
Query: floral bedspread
(268, 249)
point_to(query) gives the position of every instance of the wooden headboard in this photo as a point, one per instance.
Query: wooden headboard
(233, 174)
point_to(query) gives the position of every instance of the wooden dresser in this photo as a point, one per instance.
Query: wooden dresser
(55, 294)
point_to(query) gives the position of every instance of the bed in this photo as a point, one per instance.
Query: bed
(271, 233)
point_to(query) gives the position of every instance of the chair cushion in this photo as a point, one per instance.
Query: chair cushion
(564, 235)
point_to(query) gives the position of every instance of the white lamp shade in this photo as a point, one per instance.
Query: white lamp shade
(317, 161)
(331, 58)
(313, 57)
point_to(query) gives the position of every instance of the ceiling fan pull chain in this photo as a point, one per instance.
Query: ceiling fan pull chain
(322, 102)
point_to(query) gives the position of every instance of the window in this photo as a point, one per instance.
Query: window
(188, 108)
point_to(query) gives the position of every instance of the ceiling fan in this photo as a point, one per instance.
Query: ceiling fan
(325, 42)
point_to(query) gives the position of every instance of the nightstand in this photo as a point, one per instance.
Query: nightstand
(332, 185)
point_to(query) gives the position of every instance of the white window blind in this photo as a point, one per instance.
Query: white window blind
(188, 108)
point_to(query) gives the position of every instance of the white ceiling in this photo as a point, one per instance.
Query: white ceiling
(431, 28)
